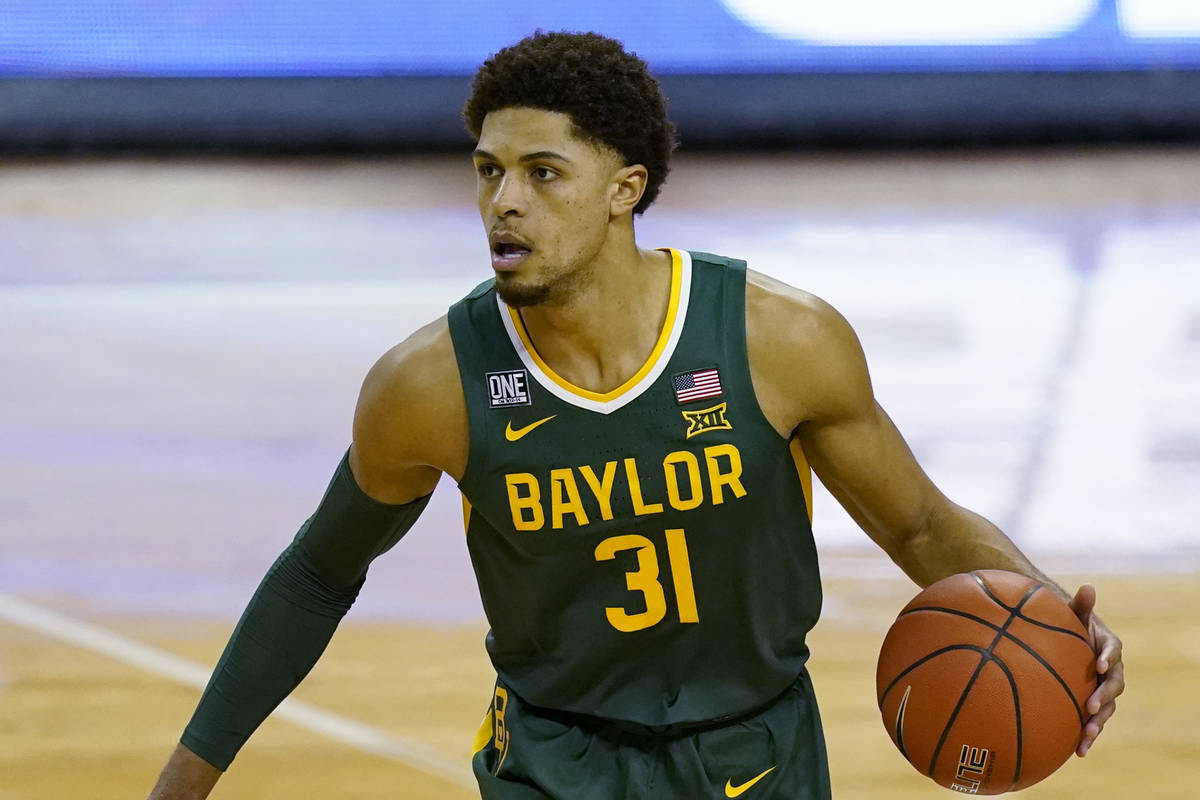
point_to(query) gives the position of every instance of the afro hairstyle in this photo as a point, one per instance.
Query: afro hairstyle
(609, 94)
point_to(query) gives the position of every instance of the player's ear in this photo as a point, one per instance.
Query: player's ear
(626, 190)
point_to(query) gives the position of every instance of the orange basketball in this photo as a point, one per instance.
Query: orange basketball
(982, 682)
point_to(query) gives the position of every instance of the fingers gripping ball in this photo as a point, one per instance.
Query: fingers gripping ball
(982, 682)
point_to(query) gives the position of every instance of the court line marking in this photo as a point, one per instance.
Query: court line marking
(190, 673)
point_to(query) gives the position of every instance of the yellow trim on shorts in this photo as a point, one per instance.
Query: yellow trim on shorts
(664, 336)
(484, 735)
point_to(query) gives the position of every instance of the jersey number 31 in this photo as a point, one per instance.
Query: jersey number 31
(644, 579)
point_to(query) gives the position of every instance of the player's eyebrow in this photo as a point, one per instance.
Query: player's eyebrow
(540, 155)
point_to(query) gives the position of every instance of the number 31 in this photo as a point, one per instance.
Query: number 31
(645, 580)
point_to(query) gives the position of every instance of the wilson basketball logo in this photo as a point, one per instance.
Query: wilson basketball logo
(508, 388)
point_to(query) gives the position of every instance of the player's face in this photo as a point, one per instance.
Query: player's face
(545, 199)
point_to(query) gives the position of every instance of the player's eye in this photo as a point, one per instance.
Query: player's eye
(487, 170)
(544, 173)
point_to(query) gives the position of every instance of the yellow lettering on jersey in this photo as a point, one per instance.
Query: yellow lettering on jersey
(718, 478)
(521, 503)
(681, 575)
(564, 498)
(695, 487)
(644, 579)
(684, 478)
(640, 507)
(602, 487)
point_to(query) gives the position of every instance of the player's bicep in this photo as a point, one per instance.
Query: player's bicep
(410, 420)
(855, 449)
(811, 377)
(867, 466)
(388, 482)
(384, 457)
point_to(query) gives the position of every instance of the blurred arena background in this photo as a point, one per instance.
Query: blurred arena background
(215, 216)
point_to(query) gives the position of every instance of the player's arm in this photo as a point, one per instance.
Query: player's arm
(409, 427)
(811, 378)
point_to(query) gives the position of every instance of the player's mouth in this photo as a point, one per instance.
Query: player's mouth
(508, 251)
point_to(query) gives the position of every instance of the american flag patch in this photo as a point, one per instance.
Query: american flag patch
(696, 385)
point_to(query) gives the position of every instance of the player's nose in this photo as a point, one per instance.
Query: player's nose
(509, 197)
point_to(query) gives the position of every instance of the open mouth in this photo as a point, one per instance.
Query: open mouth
(506, 255)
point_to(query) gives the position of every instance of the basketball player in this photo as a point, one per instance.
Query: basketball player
(632, 431)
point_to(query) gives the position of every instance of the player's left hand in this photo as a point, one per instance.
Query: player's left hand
(1109, 667)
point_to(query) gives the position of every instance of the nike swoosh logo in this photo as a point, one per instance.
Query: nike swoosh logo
(512, 435)
(900, 720)
(736, 791)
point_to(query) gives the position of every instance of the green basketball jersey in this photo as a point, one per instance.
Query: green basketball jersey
(644, 554)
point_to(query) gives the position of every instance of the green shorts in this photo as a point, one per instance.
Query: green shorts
(776, 753)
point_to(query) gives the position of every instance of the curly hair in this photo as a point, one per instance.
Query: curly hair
(609, 94)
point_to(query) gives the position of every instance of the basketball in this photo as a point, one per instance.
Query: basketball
(982, 681)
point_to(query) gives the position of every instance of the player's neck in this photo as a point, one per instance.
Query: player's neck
(599, 336)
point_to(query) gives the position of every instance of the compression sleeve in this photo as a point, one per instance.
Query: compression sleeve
(293, 614)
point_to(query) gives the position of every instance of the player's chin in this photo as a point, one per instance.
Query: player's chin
(519, 294)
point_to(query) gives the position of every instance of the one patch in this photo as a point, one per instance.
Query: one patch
(706, 419)
(698, 384)
(508, 388)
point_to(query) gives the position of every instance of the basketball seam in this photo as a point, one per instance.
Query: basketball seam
(1002, 633)
(994, 626)
(1017, 608)
(927, 657)
(1047, 626)
(988, 591)
(984, 658)
(1018, 642)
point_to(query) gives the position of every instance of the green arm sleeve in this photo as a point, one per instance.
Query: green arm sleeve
(293, 614)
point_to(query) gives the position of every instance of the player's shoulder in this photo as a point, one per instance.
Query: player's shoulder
(411, 400)
(423, 361)
(791, 318)
(805, 358)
